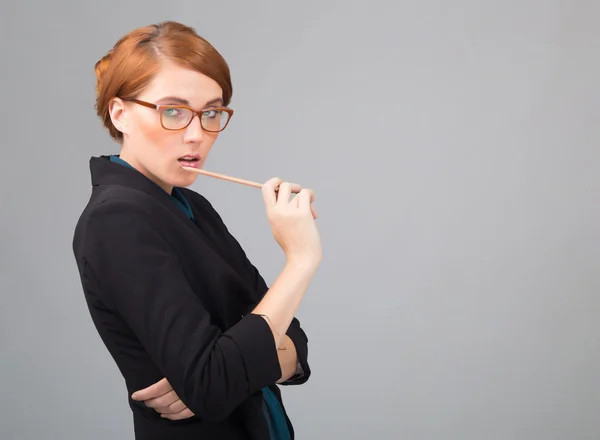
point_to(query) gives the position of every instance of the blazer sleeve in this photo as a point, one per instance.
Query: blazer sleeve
(210, 370)
(295, 331)
(300, 341)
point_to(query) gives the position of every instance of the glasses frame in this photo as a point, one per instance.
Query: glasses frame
(160, 107)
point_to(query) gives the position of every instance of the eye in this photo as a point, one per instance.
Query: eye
(172, 112)
(210, 114)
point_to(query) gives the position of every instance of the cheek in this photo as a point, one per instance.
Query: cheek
(151, 129)
(156, 137)
(209, 140)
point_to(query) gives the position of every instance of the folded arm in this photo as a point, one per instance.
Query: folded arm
(212, 371)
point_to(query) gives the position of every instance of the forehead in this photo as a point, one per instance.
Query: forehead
(175, 80)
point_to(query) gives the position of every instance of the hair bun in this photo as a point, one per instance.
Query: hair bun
(101, 67)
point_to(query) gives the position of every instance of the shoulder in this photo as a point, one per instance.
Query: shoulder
(115, 203)
(111, 214)
(117, 196)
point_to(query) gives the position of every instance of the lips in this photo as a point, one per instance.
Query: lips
(190, 160)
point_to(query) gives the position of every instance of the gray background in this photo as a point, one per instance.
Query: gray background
(453, 148)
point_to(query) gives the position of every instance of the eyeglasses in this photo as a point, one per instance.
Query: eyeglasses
(178, 117)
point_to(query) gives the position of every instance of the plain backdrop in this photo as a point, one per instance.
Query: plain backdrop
(454, 151)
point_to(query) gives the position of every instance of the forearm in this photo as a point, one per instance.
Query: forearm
(279, 305)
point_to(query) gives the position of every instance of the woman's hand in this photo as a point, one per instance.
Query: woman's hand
(292, 219)
(164, 400)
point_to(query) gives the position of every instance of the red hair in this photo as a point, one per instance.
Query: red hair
(134, 60)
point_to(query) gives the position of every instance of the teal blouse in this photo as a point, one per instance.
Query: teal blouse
(271, 407)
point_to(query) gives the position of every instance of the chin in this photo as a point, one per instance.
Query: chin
(184, 180)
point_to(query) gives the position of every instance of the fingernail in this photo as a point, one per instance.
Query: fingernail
(133, 396)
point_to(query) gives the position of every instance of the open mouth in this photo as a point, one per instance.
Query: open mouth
(189, 161)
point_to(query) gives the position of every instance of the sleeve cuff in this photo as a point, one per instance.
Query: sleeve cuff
(300, 342)
(255, 341)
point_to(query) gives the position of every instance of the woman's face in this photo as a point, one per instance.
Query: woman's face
(154, 151)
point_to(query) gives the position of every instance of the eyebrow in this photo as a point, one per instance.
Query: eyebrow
(182, 101)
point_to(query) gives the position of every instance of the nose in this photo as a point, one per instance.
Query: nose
(194, 132)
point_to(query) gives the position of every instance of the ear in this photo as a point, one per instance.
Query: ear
(118, 114)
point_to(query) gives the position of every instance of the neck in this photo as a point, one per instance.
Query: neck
(131, 160)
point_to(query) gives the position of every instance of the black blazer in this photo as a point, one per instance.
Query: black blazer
(172, 298)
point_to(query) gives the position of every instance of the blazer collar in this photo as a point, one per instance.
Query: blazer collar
(105, 172)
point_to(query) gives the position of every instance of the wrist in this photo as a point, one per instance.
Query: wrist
(302, 263)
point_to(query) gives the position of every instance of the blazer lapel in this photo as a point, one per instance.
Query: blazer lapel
(214, 240)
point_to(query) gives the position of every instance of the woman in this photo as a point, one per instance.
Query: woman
(189, 321)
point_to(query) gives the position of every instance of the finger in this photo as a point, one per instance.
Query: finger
(311, 200)
(285, 190)
(173, 408)
(295, 188)
(268, 190)
(155, 390)
(305, 198)
(185, 414)
(162, 401)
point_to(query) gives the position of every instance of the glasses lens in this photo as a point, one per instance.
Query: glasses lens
(214, 120)
(174, 118)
